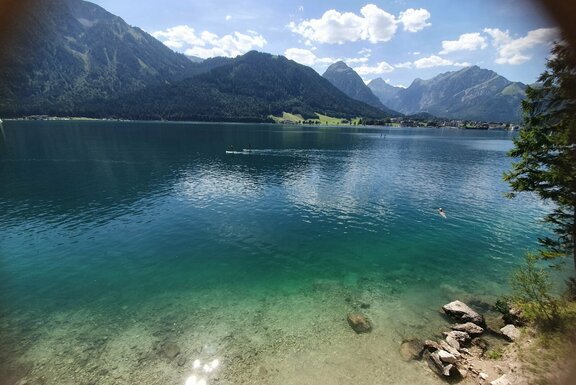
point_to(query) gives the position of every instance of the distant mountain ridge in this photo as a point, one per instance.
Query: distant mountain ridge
(471, 93)
(79, 59)
(250, 87)
(348, 81)
(72, 57)
(65, 52)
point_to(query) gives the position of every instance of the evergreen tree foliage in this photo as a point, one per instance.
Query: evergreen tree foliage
(546, 149)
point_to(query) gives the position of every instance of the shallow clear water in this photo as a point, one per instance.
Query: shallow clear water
(117, 237)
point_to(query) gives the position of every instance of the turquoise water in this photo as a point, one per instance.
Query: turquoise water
(117, 238)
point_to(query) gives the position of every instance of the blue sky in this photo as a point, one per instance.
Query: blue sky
(398, 40)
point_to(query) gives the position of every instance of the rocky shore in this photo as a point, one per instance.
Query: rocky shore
(464, 351)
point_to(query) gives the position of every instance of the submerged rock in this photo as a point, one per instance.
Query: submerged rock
(463, 313)
(471, 328)
(411, 349)
(170, 350)
(510, 332)
(359, 323)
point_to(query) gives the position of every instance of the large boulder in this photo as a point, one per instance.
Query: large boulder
(463, 313)
(462, 337)
(471, 328)
(446, 357)
(359, 323)
(510, 332)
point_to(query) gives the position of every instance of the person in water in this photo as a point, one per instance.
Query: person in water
(441, 212)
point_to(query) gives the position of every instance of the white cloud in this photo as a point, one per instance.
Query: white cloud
(373, 24)
(380, 68)
(380, 25)
(365, 52)
(513, 51)
(356, 60)
(436, 61)
(178, 36)
(414, 20)
(466, 42)
(404, 65)
(208, 44)
(307, 57)
(228, 17)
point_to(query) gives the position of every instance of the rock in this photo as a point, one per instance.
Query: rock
(510, 332)
(450, 349)
(170, 350)
(434, 362)
(181, 360)
(446, 357)
(432, 345)
(359, 323)
(514, 316)
(462, 313)
(501, 381)
(462, 372)
(483, 376)
(461, 337)
(365, 306)
(453, 342)
(447, 370)
(411, 349)
(471, 328)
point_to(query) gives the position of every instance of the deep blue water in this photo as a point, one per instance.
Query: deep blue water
(104, 215)
(91, 208)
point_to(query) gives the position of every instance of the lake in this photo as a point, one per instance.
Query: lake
(142, 253)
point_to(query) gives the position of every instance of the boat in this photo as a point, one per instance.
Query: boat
(234, 152)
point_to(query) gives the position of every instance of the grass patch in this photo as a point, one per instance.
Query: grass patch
(493, 354)
(321, 119)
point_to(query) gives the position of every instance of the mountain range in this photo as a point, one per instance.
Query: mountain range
(471, 93)
(348, 81)
(78, 59)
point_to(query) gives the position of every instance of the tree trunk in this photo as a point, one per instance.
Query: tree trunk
(574, 236)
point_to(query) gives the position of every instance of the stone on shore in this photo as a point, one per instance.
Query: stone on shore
(471, 328)
(450, 349)
(501, 381)
(462, 337)
(446, 357)
(411, 349)
(463, 313)
(359, 323)
(510, 332)
(432, 345)
(453, 342)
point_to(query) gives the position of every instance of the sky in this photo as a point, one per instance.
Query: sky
(397, 40)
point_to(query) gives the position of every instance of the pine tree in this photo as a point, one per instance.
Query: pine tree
(545, 149)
